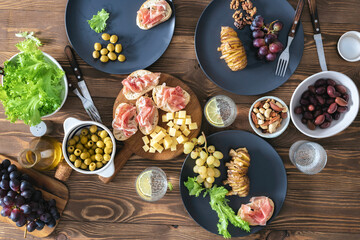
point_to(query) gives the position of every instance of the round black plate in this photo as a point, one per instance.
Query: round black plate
(266, 172)
(258, 77)
(141, 47)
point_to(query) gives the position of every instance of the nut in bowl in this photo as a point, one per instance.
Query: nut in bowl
(89, 147)
(268, 117)
(324, 104)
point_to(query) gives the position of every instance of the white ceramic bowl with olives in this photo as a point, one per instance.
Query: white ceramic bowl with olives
(89, 147)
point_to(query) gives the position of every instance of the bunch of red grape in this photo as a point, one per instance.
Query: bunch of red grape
(22, 203)
(266, 38)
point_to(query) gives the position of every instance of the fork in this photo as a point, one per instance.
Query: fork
(285, 55)
(88, 106)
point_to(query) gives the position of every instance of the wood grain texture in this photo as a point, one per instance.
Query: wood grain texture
(323, 206)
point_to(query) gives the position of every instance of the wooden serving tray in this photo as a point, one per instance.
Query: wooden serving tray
(50, 188)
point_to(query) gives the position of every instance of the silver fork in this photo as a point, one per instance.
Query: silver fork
(283, 61)
(89, 107)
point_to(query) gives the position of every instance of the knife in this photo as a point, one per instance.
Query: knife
(317, 34)
(81, 83)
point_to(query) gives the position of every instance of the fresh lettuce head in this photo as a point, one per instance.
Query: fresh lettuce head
(32, 86)
(98, 22)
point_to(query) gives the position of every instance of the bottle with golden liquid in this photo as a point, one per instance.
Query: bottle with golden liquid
(43, 154)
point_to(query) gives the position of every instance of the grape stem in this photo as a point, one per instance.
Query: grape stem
(25, 232)
(205, 143)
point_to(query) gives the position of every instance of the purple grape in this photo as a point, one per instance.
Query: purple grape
(258, 34)
(12, 194)
(14, 175)
(9, 201)
(6, 211)
(26, 209)
(269, 38)
(276, 47)
(25, 177)
(263, 51)
(258, 42)
(27, 194)
(6, 163)
(19, 201)
(15, 215)
(31, 226)
(25, 185)
(40, 225)
(37, 195)
(271, 57)
(278, 26)
(5, 176)
(12, 168)
(253, 28)
(52, 223)
(3, 193)
(22, 221)
(14, 185)
(46, 217)
(258, 21)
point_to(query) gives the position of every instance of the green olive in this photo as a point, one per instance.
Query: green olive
(104, 59)
(96, 54)
(84, 155)
(70, 149)
(104, 51)
(99, 164)
(77, 152)
(83, 166)
(84, 131)
(118, 48)
(107, 150)
(113, 38)
(92, 166)
(76, 138)
(93, 128)
(91, 152)
(84, 150)
(94, 138)
(98, 157)
(83, 140)
(79, 146)
(71, 142)
(94, 147)
(105, 36)
(99, 151)
(106, 157)
(92, 157)
(72, 158)
(121, 58)
(90, 143)
(104, 162)
(87, 161)
(103, 134)
(110, 47)
(107, 139)
(77, 163)
(100, 144)
(112, 56)
(97, 46)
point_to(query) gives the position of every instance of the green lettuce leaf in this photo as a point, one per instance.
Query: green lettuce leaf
(193, 186)
(98, 22)
(32, 85)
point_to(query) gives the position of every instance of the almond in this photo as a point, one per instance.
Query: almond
(275, 107)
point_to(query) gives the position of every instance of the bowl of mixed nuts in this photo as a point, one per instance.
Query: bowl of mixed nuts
(269, 117)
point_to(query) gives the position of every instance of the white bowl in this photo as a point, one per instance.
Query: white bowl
(349, 43)
(71, 127)
(336, 125)
(66, 88)
(284, 123)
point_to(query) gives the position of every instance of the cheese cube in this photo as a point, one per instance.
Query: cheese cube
(161, 141)
(170, 116)
(188, 121)
(188, 116)
(153, 134)
(193, 126)
(173, 147)
(178, 133)
(145, 139)
(159, 136)
(177, 115)
(167, 142)
(170, 124)
(158, 147)
(182, 114)
(152, 142)
(164, 118)
(182, 127)
(181, 139)
(172, 132)
(168, 130)
(146, 148)
(177, 127)
(163, 130)
(180, 121)
(152, 150)
(157, 129)
(186, 132)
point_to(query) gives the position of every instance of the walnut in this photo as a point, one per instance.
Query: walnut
(246, 5)
(252, 12)
(237, 15)
(234, 4)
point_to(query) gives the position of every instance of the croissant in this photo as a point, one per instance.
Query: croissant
(232, 50)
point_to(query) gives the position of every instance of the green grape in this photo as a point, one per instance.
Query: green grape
(196, 169)
(211, 149)
(207, 184)
(194, 141)
(216, 163)
(201, 140)
(202, 170)
(199, 179)
(200, 162)
(188, 147)
(218, 155)
(194, 154)
(210, 160)
(203, 155)
(217, 172)
(210, 179)
(210, 172)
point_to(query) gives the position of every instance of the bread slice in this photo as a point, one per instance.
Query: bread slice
(132, 95)
(148, 4)
(154, 123)
(118, 133)
(166, 107)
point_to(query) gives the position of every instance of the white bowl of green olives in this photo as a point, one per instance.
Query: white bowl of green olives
(89, 147)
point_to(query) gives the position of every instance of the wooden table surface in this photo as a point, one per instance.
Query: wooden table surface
(323, 206)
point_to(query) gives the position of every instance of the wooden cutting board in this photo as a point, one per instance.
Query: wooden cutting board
(134, 144)
(50, 188)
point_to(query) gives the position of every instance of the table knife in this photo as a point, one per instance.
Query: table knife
(317, 34)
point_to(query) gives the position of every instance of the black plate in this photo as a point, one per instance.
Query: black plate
(258, 77)
(266, 172)
(141, 47)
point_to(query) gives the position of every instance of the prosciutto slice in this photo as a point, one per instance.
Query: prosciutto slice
(153, 14)
(173, 97)
(258, 211)
(138, 84)
(125, 119)
(146, 113)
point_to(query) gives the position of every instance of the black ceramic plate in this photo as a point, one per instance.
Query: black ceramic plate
(141, 47)
(266, 172)
(258, 77)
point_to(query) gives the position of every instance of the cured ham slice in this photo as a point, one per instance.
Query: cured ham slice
(147, 114)
(124, 121)
(138, 84)
(172, 98)
(153, 13)
(258, 211)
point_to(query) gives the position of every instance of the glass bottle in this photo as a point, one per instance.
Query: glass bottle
(43, 154)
